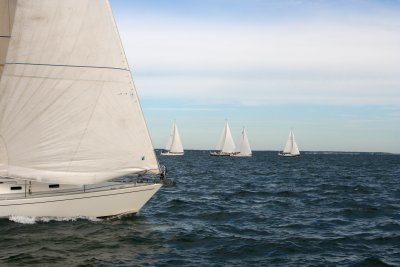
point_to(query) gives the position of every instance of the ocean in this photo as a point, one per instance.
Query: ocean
(319, 209)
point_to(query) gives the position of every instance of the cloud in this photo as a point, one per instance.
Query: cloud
(254, 64)
(212, 48)
(272, 91)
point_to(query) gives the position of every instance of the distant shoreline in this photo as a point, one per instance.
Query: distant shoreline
(310, 152)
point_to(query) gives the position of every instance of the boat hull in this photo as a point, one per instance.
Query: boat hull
(288, 155)
(241, 155)
(220, 154)
(172, 154)
(99, 203)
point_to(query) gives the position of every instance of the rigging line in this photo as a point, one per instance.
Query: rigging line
(65, 65)
(5, 36)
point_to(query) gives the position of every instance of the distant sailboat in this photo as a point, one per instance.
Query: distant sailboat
(291, 149)
(174, 146)
(226, 145)
(243, 150)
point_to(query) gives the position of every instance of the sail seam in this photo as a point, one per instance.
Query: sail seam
(65, 65)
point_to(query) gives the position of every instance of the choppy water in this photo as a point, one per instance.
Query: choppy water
(315, 210)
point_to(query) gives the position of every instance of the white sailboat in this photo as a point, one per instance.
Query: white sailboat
(226, 145)
(291, 149)
(174, 145)
(70, 118)
(243, 150)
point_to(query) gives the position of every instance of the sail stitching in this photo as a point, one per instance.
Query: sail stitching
(65, 65)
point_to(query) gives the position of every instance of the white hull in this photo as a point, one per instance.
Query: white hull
(172, 154)
(220, 154)
(111, 200)
(288, 155)
(241, 155)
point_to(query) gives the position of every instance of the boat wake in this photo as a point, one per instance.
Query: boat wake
(33, 219)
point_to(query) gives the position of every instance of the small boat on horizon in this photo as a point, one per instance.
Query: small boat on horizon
(291, 149)
(174, 145)
(243, 150)
(225, 146)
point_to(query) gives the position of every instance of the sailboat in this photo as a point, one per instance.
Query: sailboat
(70, 120)
(291, 149)
(226, 145)
(174, 145)
(243, 150)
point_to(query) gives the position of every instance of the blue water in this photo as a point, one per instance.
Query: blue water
(314, 210)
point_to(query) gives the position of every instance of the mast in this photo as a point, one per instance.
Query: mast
(69, 110)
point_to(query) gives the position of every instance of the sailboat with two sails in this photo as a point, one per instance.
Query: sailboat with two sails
(174, 145)
(226, 146)
(70, 119)
(291, 149)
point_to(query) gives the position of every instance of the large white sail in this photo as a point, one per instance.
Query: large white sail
(226, 143)
(7, 9)
(174, 144)
(244, 146)
(69, 111)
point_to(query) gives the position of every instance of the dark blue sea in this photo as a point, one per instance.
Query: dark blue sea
(319, 209)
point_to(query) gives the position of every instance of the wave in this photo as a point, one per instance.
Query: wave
(34, 219)
(371, 261)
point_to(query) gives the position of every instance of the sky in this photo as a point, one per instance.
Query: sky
(328, 69)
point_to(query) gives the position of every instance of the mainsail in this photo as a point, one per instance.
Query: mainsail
(69, 111)
(244, 145)
(226, 143)
(174, 144)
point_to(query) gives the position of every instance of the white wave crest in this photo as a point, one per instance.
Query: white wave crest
(23, 219)
(33, 219)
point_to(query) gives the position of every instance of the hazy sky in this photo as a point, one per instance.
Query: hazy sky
(329, 69)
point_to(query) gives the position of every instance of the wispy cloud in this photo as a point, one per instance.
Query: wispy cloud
(306, 62)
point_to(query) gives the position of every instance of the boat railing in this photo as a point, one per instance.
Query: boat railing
(84, 189)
